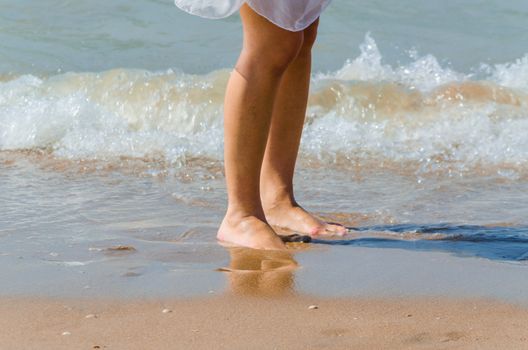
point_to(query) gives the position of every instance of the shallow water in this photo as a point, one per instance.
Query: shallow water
(111, 146)
(106, 232)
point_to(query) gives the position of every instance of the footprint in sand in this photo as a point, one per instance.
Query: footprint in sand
(453, 336)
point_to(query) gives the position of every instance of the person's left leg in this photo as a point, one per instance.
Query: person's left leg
(278, 166)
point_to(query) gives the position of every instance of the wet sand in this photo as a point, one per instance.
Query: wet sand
(389, 304)
(124, 248)
(239, 322)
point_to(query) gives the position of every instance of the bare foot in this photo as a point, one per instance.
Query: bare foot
(250, 232)
(294, 218)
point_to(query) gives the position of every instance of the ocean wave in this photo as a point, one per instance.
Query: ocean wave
(421, 112)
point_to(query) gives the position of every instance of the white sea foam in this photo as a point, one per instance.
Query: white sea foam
(420, 112)
(423, 73)
(112, 114)
(514, 75)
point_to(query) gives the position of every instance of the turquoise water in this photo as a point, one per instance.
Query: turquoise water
(440, 86)
(51, 35)
(111, 134)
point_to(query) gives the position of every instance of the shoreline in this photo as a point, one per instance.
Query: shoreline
(328, 271)
(233, 322)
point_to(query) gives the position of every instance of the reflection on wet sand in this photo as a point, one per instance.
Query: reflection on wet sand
(260, 272)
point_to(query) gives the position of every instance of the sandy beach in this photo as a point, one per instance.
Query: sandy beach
(113, 187)
(378, 299)
(241, 322)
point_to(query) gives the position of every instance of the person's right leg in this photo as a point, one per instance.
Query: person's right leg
(250, 96)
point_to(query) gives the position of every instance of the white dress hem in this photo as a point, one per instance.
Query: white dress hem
(310, 21)
(305, 23)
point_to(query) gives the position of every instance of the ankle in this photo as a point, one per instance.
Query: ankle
(236, 215)
(279, 202)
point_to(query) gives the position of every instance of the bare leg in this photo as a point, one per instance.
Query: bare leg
(283, 145)
(250, 95)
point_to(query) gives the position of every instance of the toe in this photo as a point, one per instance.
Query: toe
(337, 229)
(329, 230)
(316, 231)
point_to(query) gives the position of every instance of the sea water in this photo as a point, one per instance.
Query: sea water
(111, 134)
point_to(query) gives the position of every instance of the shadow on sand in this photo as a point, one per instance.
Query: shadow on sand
(506, 243)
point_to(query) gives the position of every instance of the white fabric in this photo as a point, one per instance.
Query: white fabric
(293, 15)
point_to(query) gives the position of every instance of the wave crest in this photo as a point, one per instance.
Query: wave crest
(420, 112)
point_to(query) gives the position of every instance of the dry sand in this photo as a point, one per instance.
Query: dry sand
(248, 322)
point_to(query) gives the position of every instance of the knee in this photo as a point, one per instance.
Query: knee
(275, 56)
(309, 37)
(286, 52)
